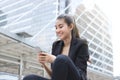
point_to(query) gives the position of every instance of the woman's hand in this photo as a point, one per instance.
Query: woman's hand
(46, 58)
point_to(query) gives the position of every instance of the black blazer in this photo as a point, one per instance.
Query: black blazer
(78, 52)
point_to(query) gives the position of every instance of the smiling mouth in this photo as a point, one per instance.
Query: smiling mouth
(59, 35)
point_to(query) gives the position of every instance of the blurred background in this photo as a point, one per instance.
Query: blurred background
(27, 24)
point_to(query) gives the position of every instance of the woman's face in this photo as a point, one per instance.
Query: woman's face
(63, 31)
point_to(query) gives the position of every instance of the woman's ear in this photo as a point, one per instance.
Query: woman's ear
(71, 26)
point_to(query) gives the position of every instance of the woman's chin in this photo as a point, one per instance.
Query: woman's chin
(61, 38)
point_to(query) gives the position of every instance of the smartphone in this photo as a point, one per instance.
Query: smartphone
(38, 50)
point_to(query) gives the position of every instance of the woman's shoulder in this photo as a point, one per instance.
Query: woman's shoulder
(82, 40)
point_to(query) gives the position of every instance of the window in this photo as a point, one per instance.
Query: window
(3, 22)
(96, 55)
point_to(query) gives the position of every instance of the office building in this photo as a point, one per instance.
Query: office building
(96, 27)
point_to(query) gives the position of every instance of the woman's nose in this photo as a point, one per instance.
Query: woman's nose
(57, 30)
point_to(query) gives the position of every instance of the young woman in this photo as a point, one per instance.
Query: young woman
(69, 54)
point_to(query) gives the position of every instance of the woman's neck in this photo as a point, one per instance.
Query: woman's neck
(67, 41)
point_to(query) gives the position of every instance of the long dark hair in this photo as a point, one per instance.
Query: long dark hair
(69, 19)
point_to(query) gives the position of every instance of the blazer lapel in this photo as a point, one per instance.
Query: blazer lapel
(58, 48)
(73, 49)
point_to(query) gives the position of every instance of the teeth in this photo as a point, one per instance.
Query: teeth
(59, 34)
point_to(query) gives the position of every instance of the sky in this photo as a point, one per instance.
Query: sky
(112, 11)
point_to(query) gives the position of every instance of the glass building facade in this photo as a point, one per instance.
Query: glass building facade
(37, 18)
(34, 17)
(95, 27)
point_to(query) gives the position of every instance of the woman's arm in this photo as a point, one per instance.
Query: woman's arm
(49, 71)
(82, 57)
(46, 58)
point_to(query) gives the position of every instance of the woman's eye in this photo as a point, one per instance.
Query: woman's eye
(60, 26)
(55, 27)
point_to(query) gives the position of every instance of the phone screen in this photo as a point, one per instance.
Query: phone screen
(38, 49)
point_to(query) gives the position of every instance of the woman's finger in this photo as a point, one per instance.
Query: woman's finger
(41, 58)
